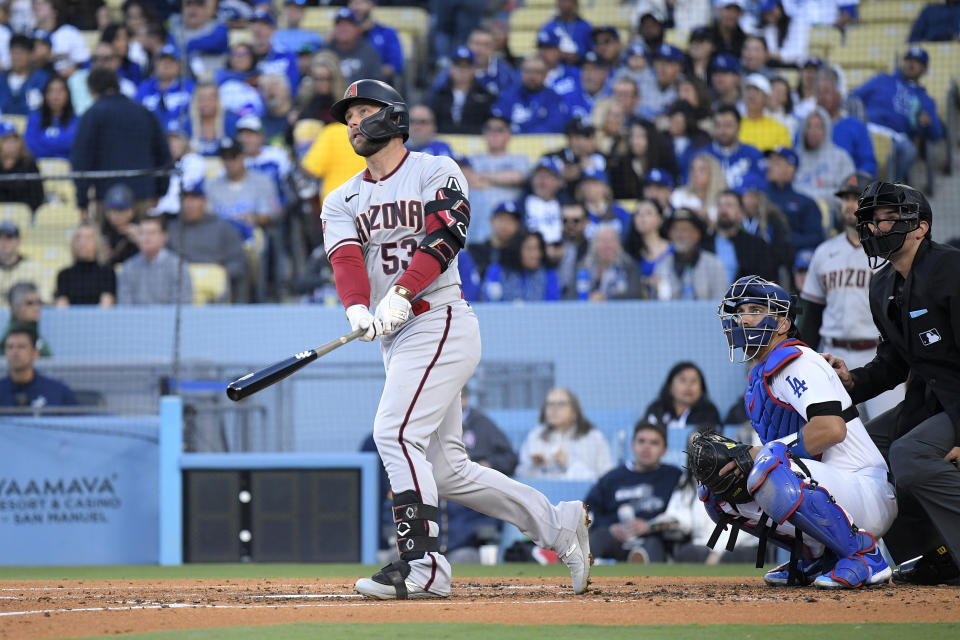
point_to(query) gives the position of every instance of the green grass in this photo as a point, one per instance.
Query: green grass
(437, 631)
(264, 571)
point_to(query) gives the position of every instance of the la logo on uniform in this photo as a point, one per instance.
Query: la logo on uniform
(929, 337)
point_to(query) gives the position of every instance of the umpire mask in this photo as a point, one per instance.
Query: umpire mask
(882, 238)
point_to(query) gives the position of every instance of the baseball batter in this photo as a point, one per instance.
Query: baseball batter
(818, 474)
(392, 234)
(837, 312)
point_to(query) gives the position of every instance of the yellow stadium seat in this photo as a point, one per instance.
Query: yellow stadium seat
(874, 46)
(628, 205)
(410, 19)
(61, 216)
(239, 36)
(210, 281)
(64, 191)
(822, 39)
(50, 254)
(531, 18)
(856, 76)
(552, 4)
(792, 76)
(318, 19)
(92, 38)
(889, 11)
(464, 144)
(882, 148)
(17, 212)
(677, 38)
(522, 42)
(944, 68)
(20, 122)
(534, 145)
(214, 167)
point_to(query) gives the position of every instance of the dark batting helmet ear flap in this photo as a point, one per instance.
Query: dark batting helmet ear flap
(385, 124)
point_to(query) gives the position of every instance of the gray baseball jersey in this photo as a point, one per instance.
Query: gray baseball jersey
(839, 277)
(418, 427)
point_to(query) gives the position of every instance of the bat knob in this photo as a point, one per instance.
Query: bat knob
(233, 393)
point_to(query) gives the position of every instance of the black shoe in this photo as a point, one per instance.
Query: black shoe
(933, 567)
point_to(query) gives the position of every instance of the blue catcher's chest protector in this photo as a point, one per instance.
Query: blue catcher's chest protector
(770, 418)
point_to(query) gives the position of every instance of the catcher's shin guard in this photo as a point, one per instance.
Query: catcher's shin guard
(811, 509)
(413, 518)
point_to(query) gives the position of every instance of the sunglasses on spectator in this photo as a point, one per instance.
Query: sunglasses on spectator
(496, 129)
(98, 59)
(31, 302)
(574, 220)
(421, 121)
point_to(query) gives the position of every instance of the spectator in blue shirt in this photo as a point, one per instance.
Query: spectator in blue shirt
(118, 37)
(849, 133)
(207, 41)
(493, 72)
(164, 94)
(607, 45)
(802, 213)
(532, 107)
(51, 128)
(736, 159)
(522, 276)
(383, 38)
(562, 77)
(937, 22)
(902, 109)
(292, 37)
(271, 58)
(23, 386)
(575, 30)
(237, 81)
(21, 88)
(423, 128)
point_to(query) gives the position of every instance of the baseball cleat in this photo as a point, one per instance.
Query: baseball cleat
(391, 583)
(863, 569)
(933, 567)
(808, 570)
(577, 556)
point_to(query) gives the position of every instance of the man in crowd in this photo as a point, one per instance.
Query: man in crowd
(163, 93)
(658, 88)
(358, 58)
(691, 272)
(15, 267)
(383, 38)
(153, 276)
(803, 214)
(849, 133)
(23, 386)
(532, 107)
(757, 128)
(272, 59)
(736, 158)
(742, 253)
(25, 309)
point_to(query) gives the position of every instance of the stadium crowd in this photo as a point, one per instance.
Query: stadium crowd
(640, 169)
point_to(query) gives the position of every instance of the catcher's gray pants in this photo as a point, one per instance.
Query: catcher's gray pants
(419, 436)
(927, 485)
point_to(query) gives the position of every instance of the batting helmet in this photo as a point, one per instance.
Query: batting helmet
(756, 290)
(908, 203)
(391, 121)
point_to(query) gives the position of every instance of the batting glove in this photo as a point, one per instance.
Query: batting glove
(394, 309)
(361, 318)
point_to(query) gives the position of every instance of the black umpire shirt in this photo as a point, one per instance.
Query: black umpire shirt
(919, 322)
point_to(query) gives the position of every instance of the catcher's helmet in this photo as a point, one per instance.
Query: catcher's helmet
(911, 207)
(753, 289)
(391, 121)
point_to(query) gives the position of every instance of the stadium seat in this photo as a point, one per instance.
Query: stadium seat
(53, 256)
(214, 167)
(534, 145)
(412, 20)
(856, 76)
(889, 11)
(522, 42)
(823, 38)
(20, 122)
(17, 212)
(874, 46)
(531, 18)
(211, 283)
(515, 423)
(92, 39)
(628, 205)
(944, 69)
(55, 216)
(882, 148)
(318, 19)
(464, 144)
(240, 36)
(64, 191)
(679, 39)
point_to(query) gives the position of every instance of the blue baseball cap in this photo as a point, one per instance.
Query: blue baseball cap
(548, 38)
(607, 28)
(802, 260)
(302, 3)
(659, 176)
(668, 52)
(551, 163)
(596, 174)
(262, 15)
(700, 33)
(169, 50)
(9, 228)
(509, 207)
(787, 154)
(767, 5)
(752, 182)
(7, 129)
(591, 57)
(119, 196)
(813, 61)
(919, 54)
(42, 36)
(193, 188)
(463, 53)
(726, 62)
(346, 14)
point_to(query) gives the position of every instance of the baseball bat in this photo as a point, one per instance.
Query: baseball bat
(262, 378)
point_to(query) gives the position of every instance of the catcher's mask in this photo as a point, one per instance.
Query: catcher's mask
(883, 238)
(751, 339)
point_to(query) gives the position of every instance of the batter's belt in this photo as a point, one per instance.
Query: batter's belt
(435, 299)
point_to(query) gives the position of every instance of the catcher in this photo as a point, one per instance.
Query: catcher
(818, 476)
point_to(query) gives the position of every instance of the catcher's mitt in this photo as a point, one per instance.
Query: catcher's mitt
(710, 452)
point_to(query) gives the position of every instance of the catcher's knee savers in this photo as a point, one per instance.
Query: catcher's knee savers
(413, 531)
(810, 508)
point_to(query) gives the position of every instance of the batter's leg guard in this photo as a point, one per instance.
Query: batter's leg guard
(802, 568)
(785, 495)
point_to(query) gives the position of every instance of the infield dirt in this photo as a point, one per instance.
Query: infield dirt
(39, 609)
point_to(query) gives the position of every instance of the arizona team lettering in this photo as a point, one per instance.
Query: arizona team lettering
(390, 215)
(845, 278)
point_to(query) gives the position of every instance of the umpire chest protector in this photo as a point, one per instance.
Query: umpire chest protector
(771, 418)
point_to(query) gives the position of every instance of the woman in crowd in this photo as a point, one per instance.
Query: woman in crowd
(238, 82)
(565, 445)
(645, 150)
(645, 243)
(86, 281)
(805, 99)
(51, 128)
(522, 276)
(697, 95)
(607, 273)
(704, 184)
(683, 400)
(15, 158)
(209, 121)
(118, 37)
(780, 104)
(786, 38)
(685, 136)
(594, 193)
(324, 86)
